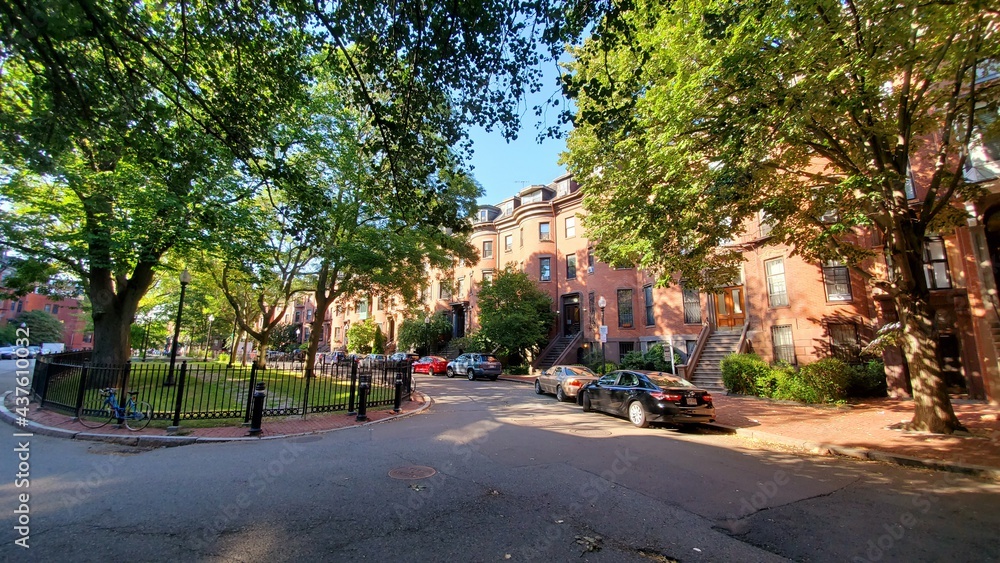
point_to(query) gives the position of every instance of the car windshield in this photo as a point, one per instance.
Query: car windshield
(664, 380)
(580, 370)
(487, 359)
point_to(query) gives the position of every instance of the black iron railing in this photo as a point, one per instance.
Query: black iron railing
(209, 390)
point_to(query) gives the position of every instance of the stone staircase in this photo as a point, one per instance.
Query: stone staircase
(707, 374)
(554, 353)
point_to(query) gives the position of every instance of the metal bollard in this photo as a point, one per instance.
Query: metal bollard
(398, 399)
(257, 412)
(363, 388)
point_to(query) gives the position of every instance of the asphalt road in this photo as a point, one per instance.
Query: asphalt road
(519, 477)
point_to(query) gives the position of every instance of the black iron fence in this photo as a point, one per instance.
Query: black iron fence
(73, 385)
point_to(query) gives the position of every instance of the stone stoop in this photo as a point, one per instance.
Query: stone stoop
(707, 373)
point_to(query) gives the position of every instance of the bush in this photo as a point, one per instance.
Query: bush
(634, 360)
(519, 369)
(653, 359)
(222, 358)
(829, 378)
(867, 380)
(791, 387)
(740, 372)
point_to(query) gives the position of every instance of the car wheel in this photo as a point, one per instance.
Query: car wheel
(471, 374)
(637, 414)
(450, 372)
(587, 407)
(560, 396)
(538, 387)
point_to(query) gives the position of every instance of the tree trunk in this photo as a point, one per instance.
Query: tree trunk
(932, 407)
(114, 312)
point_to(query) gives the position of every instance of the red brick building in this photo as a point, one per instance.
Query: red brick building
(68, 311)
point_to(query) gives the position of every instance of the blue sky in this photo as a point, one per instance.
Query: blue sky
(503, 169)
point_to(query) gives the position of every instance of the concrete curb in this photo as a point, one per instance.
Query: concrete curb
(503, 378)
(168, 441)
(823, 449)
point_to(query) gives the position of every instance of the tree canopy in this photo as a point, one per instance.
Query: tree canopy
(514, 315)
(695, 117)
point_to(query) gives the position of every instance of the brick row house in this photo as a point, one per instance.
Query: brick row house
(782, 307)
(68, 311)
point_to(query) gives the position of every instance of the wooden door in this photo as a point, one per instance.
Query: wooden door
(730, 307)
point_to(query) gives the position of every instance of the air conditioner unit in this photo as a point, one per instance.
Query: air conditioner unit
(590, 269)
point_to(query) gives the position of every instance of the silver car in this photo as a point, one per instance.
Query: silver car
(564, 381)
(475, 365)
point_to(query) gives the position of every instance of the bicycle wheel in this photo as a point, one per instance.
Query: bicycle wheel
(96, 418)
(138, 416)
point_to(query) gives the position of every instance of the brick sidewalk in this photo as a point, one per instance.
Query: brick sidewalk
(270, 427)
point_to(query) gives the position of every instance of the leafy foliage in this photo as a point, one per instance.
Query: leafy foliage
(652, 359)
(740, 372)
(415, 334)
(514, 315)
(42, 327)
(361, 336)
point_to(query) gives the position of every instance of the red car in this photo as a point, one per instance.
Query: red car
(430, 365)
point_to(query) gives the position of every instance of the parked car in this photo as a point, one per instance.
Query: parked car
(475, 365)
(374, 360)
(564, 381)
(34, 351)
(404, 357)
(431, 365)
(648, 396)
(6, 352)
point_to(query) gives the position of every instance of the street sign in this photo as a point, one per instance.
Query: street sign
(604, 333)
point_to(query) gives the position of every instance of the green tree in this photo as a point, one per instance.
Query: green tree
(42, 327)
(514, 315)
(120, 129)
(425, 333)
(361, 336)
(694, 117)
(284, 338)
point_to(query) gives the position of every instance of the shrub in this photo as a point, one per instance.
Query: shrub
(222, 358)
(519, 369)
(791, 387)
(829, 378)
(740, 372)
(634, 360)
(867, 380)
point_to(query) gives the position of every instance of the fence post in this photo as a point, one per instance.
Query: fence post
(84, 372)
(253, 382)
(257, 412)
(397, 399)
(354, 383)
(363, 397)
(180, 396)
(305, 399)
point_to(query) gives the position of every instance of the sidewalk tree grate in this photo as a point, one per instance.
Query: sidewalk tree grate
(412, 472)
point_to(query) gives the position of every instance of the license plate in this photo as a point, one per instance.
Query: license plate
(691, 401)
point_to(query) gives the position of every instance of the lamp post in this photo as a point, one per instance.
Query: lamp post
(145, 337)
(208, 342)
(185, 279)
(602, 303)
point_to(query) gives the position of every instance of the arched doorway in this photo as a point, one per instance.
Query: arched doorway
(392, 329)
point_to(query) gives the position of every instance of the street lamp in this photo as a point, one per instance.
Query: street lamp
(185, 279)
(427, 333)
(208, 342)
(602, 303)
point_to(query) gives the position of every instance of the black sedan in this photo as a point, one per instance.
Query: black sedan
(648, 396)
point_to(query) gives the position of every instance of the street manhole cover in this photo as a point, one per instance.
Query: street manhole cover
(591, 432)
(412, 472)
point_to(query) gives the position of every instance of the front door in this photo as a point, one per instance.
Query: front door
(571, 315)
(729, 307)
(458, 321)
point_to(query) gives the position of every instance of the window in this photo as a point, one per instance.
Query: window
(844, 342)
(908, 186)
(484, 215)
(590, 260)
(936, 264)
(545, 269)
(488, 276)
(47, 308)
(533, 197)
(777, 295)
(487, 249)
(508, 243)
(444, 292)
(543, 232)
(837, 279)
(766, 224)
(309, 315)
(461, 287)
(571, 267)
(625, 348)
(692, 306)
(647, 293)
(570, 227)
(625, 308)
(509, 208)
(983, 162)
(298, 317)
(55, 309)
(784, 346)
(592, 309)
(20, 306)
(336, 333)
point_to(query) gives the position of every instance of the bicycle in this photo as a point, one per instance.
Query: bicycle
(136, 416)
